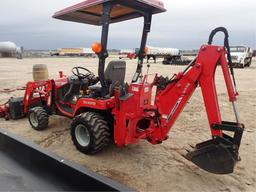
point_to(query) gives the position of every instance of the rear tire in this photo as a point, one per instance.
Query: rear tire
(90, 133)
(38, 118)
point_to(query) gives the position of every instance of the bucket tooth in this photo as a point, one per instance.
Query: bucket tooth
(188, 151)
(192, 146)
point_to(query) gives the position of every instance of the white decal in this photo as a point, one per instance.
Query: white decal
(135, 89)
(89, 103)
(174, 109)
(178, 103)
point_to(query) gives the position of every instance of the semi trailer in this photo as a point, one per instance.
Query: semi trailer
(73, 52)
(170, 55)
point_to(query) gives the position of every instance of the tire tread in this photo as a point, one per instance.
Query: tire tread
(99, 131)
(42, 116)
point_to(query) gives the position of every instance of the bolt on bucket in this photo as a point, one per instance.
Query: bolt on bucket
(214, 156)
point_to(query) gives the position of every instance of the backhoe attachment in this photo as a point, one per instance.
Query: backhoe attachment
(220, 154)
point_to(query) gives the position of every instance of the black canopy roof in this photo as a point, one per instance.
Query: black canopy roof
(90, 11)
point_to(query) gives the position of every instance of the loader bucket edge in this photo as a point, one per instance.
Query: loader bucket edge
(31, 168)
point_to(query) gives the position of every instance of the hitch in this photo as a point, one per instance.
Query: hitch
(220, 154)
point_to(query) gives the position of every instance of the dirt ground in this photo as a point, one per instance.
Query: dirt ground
(143, 166)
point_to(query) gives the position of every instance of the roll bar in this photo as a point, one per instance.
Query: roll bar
(103, 55)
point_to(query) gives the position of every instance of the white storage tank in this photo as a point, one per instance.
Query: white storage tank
(10, 49)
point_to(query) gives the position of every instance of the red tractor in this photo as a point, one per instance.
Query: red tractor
(104, 107)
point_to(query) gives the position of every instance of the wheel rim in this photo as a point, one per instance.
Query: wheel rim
(82, 135)
(33, 119)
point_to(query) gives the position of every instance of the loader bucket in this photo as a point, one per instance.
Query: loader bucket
(217, 156)
(24, 166)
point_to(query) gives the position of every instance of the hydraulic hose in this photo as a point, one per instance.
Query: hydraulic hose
(226, 45)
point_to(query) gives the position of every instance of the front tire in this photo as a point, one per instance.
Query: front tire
(90, 133)
(241, 65)
(38, 118)
(249, 62)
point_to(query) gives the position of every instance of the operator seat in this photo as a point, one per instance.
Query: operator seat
(114, 75)
(115, 72)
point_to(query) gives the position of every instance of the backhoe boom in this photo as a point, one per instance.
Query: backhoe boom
(219, 154)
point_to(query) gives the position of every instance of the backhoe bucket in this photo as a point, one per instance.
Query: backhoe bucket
(217, 156)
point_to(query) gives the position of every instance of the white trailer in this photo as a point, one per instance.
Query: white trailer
(75, 52)
(162, 51)
(170, 55)
(10, 49)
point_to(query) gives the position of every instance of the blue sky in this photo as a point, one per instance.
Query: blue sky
(186, 25)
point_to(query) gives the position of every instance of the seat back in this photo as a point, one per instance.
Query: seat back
(115, 72)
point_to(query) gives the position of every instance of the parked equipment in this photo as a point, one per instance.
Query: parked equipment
(241, 56)
(13, 109)
(73, 52)
(125, 112)
(127, 54)
(171, 56)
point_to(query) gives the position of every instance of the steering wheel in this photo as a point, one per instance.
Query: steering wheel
(77, 72)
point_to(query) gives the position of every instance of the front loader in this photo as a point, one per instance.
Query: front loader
(104, 107)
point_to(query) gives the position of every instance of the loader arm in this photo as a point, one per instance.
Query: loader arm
(219, 154)
(38, 93)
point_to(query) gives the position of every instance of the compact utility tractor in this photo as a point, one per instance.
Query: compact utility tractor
(104, 107)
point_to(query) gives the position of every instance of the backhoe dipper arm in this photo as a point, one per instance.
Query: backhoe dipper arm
(219, 154)
(173, 99)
